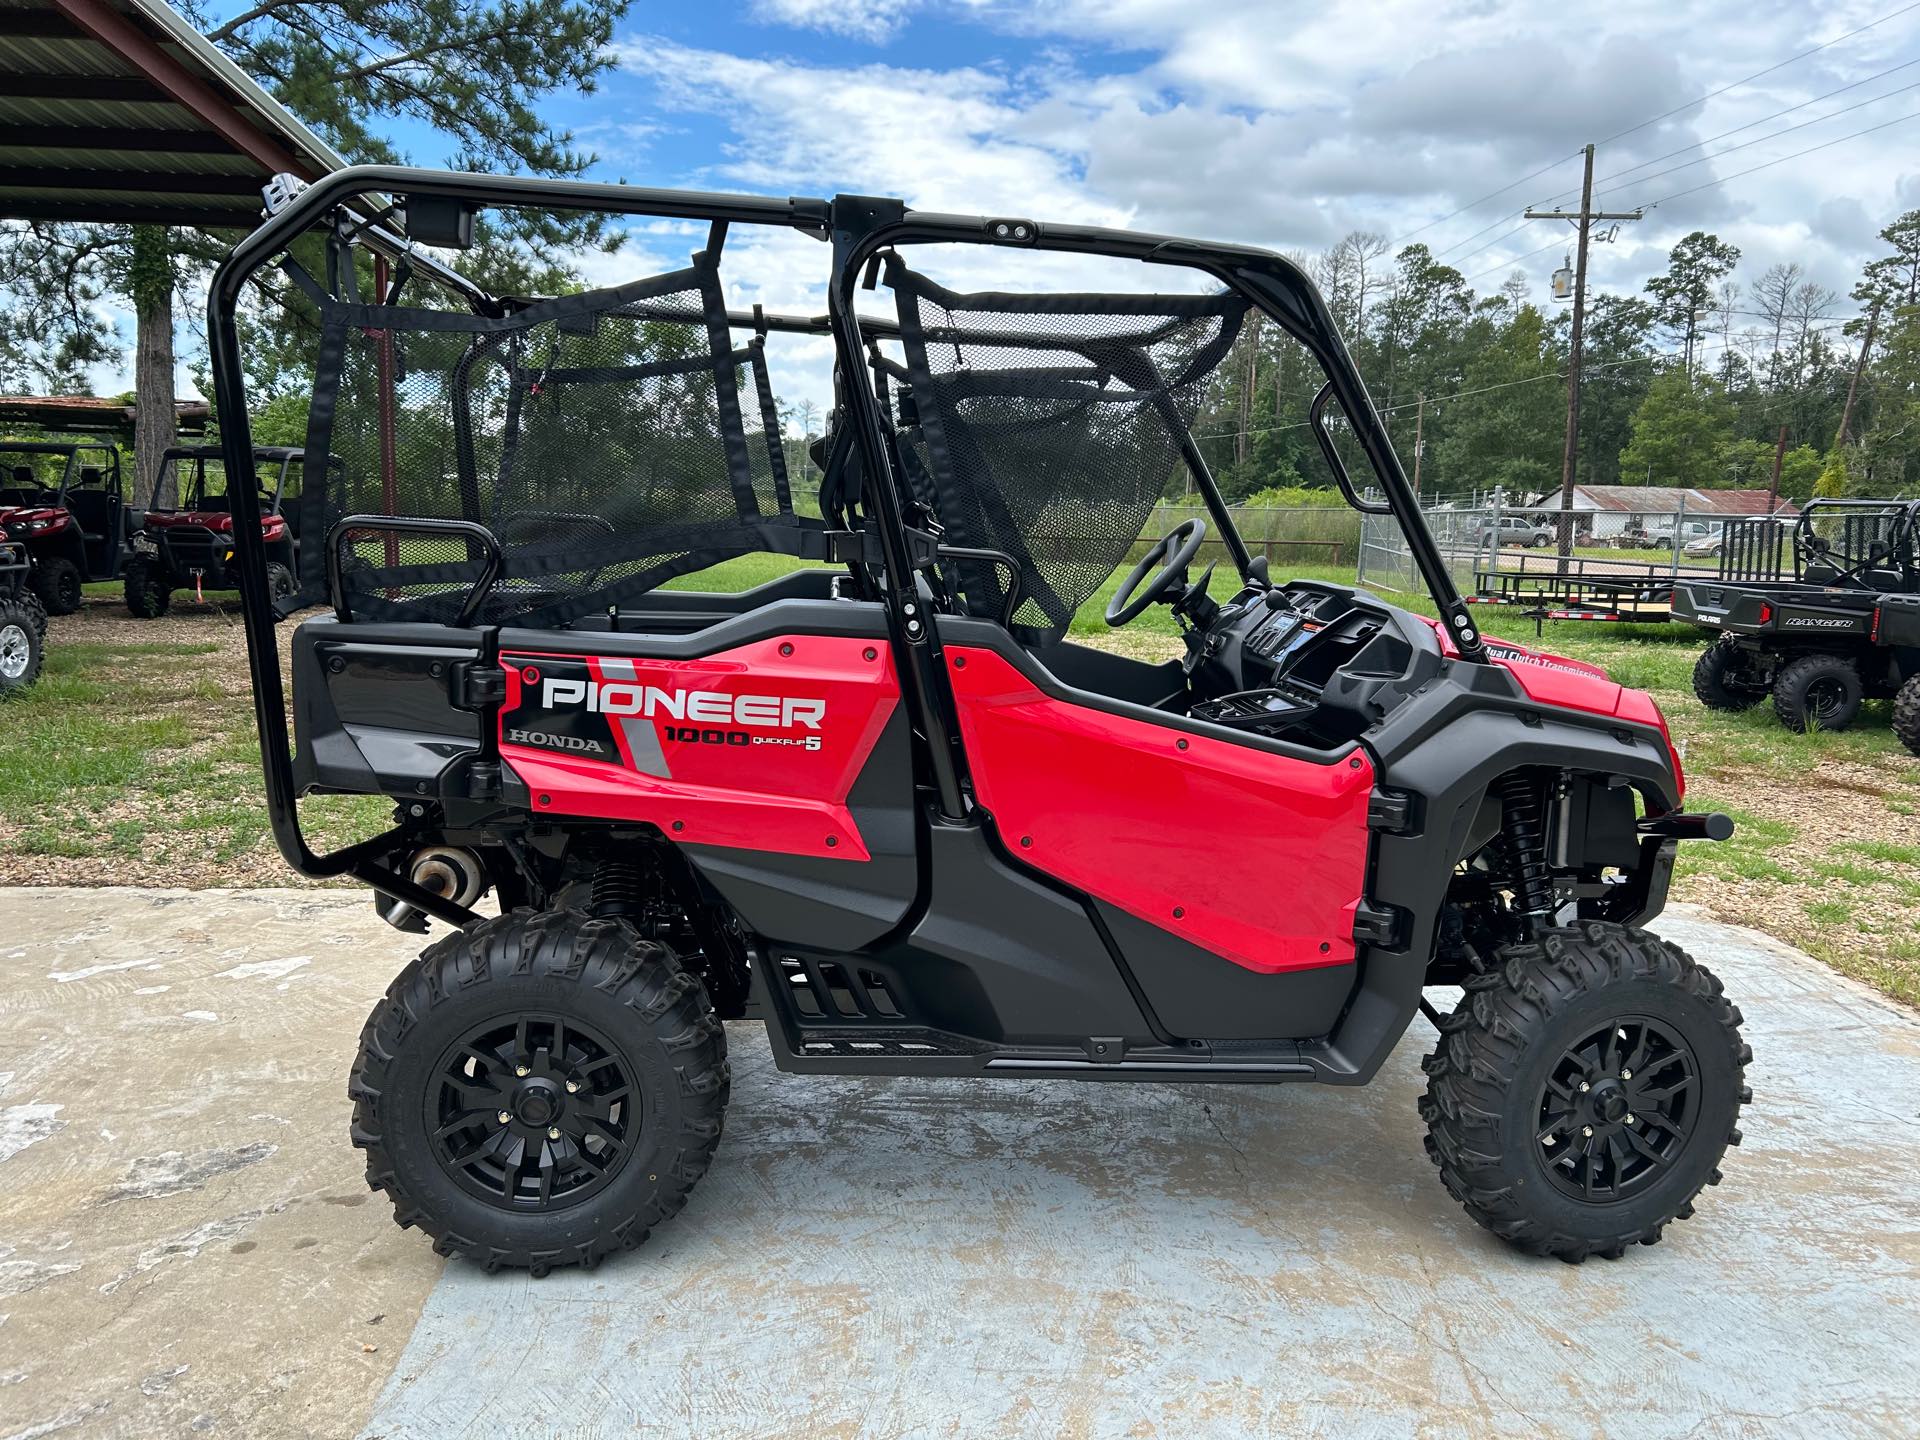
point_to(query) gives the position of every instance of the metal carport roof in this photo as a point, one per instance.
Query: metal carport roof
(119, 111)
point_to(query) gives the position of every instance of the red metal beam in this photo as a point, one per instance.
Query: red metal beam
(120, 35)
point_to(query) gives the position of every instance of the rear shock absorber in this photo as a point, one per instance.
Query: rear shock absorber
(619, 888)
(1526, 841)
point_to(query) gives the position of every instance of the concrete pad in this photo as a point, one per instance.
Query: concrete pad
(898, 1258)
(186, 1242)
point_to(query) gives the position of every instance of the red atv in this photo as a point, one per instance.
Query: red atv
(62, 501)
(191, 547)
(884, 805)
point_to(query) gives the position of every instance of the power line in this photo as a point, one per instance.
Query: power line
(1669, 114)
(1775, 135)
(1490, 195)
(1516, 263)
(1788, 110)
(1435, 401)
(1460, 260)
(1811, 149)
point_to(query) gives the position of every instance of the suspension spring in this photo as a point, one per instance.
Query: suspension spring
(619, 887)
(1526, 841)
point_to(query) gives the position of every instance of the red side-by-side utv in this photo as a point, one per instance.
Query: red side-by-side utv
(886, 804)
(61, 501)
(190, 545)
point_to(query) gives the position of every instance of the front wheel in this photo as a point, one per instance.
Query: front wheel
(1818, 692)
(539, 1090)
(148, 592)
(23, 628)
(1721, 678)
(1585, 1090)
(1906, 715)
(56, 580)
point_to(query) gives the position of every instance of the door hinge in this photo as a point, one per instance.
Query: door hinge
(1390, 811)
(1379, 925)
(476, 686)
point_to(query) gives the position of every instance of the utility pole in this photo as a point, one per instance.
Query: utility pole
(1419, 421)
(1779, 457)
(1853, 385)
(1581, 221)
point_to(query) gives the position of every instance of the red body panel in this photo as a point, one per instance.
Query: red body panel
(272, 527)
(26, 514)
(757, 786)
(1257, 857)
(1570, 684)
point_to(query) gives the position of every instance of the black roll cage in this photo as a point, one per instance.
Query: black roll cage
(285, 456)
(858, 229)
(72, 449)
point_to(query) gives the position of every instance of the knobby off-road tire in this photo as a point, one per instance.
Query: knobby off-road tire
(57, 582)
(23, 629)
(148, 591)
(280, 581)
(1906, 715)
(1504, 1055)
(632, 1018)
(1818, 692)
(35, 607)
(1717, 680)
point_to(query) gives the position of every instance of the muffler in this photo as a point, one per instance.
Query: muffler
(450, 871)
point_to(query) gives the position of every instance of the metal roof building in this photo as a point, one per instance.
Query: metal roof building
(119, 111)
(1667, 499)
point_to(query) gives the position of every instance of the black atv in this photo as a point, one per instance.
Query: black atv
(190, 547)
(23, 622)
(1844, 630)
(61, 500)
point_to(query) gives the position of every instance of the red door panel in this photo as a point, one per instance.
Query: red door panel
(755, 747)
(1257, 857)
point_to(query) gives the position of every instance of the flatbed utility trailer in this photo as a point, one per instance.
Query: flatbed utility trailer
(1846, 629)
(1547, 586)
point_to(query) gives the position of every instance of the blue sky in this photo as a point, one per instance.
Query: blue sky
(1285, 124)
(1280, 124)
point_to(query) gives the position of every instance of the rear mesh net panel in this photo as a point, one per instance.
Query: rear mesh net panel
(609, 440)
(1047, 426)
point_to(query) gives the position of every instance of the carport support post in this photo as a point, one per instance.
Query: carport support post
(1679, 531)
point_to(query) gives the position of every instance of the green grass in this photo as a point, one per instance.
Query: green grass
(138, 762)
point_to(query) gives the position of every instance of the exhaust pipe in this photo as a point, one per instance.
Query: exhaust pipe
(448, 870)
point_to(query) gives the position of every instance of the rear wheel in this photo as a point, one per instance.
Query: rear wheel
(23, 628)
(148, 591)
(57, 582)
(1817, 692)
(1584, 1091)
(280, 581)
(1906, 715)
(540, 1090)
(1723, 680)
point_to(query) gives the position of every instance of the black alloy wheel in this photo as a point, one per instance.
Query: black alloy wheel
(1618, 1109)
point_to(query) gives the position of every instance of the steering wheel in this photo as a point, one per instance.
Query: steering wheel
(1172, 552)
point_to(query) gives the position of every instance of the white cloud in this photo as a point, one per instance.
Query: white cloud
(863, 19)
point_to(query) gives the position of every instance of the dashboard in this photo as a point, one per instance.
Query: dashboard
(1308, 662)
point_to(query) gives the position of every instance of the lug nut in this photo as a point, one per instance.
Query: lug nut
(503, 1117)
(1626, 1074)
(573, 1087)
(1586, 1130)
(553, 1132)
(1629, 1119)
(522, 1071)
(1584, 1087)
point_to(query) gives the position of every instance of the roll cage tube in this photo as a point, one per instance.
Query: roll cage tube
(859, 228)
